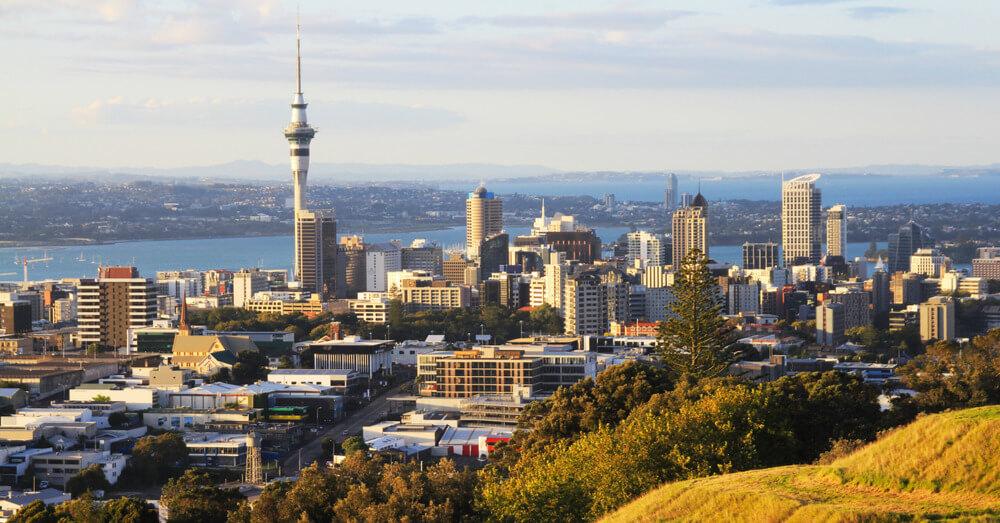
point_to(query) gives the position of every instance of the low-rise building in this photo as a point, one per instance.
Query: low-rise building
(210, 449)
(58, 467)
(11, 501)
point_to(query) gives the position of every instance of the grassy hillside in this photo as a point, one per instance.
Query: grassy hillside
(944, 466)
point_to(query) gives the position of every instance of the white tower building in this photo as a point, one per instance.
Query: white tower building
(299, 134)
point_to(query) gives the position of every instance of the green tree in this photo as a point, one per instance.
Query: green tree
(129, 510)
(118, 419)
(101, 398)
(193, 497)
(154, 458)
(222, 375)
(251, 367)
(353, 445)
(546, 319)
(87, 480)
(35, 512)
(695, 339)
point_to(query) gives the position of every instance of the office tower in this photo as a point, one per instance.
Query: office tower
(609, 202)
(760, 256)
(493, 253)
(316, 252)
(15, 317)
(422, 255)
(351, 265)
(647, 249)
(881, 294)
(800, 220)
(483, 218)
(456, 270)
(299, 134)
(581, 245)
(987, 264)
(937, 319)
(905, 288)
(904, 243)
(246, 283)
(836, 231)
(690, 230)
(118, 300)
(857, 306)
(585, 306)
(830, 325)
(670, 195)
(744, 297)
(686, 199)
(380, 259)
(929, 262)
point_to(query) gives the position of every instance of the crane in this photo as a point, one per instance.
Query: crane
(25, 261)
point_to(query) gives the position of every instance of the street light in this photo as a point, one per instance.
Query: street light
(317, 416)
(482, 333)
(522, 327)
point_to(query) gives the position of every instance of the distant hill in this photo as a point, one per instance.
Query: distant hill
(942, 466)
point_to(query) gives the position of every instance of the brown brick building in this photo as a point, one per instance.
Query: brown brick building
(112, 304)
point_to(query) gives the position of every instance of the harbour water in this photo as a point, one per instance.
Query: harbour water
(271, 252)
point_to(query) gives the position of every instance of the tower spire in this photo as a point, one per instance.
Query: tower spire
(298, 55)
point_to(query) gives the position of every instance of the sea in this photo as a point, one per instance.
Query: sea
(269, 252)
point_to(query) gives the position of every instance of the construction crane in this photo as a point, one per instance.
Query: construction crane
(25, 261)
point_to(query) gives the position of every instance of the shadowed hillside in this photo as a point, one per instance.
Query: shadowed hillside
(941, 466)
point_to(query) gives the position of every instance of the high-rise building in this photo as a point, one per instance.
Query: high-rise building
(857, 306)
(830, 324)
(299, 134)
(760, 256)
(904, 243)
(905, 288)
(246, 283)
(937, 319)
(836, 231)
(690, 230)
(15, 317)
(801, 230)
(316, 252)
(881, 294)
(380, 259)
(647, 249)
(930, 262)
(459, 271)
(987, 264)
(118, 300)
(744, 297)
(483, 218)
(670, 195)
(351, 265)
(493, 253)
(422, 255)
(585, 304)
(686, 199)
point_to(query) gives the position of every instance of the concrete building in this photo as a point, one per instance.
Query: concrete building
(930, 263)
(58, 467)
(112, 304)
(744, 297)
(353, 353)
(483, 218)
(857, 306)
(351, 265)
(585, 305)
(371, 307)
(830, 325)
(380, 259)
(836, 231)
(760, 256)
(671, 194)
(316, 252)
(246, 284)
(987, 264)
(434, 296)
(422, 255)
(645, 248)
(690, 230)
(801, 228)
(937, 319)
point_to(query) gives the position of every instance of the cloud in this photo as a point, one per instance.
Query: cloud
(807, 2)
(636, 20)
(220, 112)
(870, 12)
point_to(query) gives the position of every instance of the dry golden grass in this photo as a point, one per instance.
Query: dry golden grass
(940, 467)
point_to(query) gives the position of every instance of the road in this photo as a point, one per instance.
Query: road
(353, 424)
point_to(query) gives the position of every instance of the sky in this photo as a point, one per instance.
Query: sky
(572, 85)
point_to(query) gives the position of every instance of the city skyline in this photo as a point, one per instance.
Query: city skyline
(622, 87)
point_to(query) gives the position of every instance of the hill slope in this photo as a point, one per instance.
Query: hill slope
(942, 466)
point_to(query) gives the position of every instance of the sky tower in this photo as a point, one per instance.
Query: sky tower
(299, 133)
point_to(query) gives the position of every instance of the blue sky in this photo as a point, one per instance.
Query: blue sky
(589, 85)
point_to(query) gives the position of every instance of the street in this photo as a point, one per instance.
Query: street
(353, 424)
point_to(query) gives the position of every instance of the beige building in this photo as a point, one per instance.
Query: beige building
(372, 307)
(801, 229)
(190, 352)
(271, 305)
(107, 307)
(585, 306)
(483, 218)
(690, 230)
(937, 319)
(437, 296)
(836, 231)
(930, 263)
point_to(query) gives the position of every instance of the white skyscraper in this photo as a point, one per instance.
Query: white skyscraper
(801, 228)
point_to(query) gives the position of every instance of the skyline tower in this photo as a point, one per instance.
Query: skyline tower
(316, 252)
(690, 230)
(904, 243)
(670, 195)
(483, 219)
(299, 134)
(801, 231)
(836, 231)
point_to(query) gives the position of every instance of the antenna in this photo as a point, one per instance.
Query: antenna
(298, 55)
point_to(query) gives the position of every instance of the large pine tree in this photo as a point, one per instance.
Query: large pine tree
(695, 340)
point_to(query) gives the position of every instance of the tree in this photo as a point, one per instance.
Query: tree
(353, 445)
(695, 339)
(193, 497)
(222, 375)
(155, 457)
(129, 510)
(589, 404)
(101, 398)
(327, 446)
(251, 367)
(89, 479)
(546, 319)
